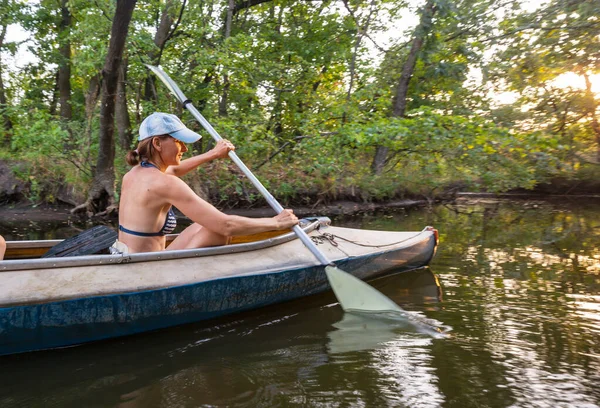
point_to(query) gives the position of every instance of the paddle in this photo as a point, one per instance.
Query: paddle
(95, 240)
(352, 293)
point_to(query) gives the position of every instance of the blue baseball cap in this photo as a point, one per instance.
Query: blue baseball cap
(159, 124)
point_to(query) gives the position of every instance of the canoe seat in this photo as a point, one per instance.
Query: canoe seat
(95, 240)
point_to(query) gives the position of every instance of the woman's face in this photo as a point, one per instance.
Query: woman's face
(181, 148)
(172, 150)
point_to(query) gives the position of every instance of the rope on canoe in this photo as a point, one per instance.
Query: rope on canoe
(328, 237)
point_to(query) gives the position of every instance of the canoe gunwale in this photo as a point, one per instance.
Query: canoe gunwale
(355, 265)
(93, 260)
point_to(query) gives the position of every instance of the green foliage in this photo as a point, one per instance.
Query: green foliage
(309, 88)
(448, 148)
(38, 136)
(49, 158)
(560, 38)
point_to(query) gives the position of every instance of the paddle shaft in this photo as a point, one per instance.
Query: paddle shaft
(164, 77)
(256, 182)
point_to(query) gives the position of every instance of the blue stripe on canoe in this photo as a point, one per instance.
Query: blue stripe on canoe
(75, 321)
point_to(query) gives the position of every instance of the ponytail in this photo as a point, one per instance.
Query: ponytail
(144, 151)
(133, 157)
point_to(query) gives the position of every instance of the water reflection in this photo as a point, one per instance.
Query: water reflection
(397, 345)
(362, 331)
(521, 284)
(40, 226)
(407, 372)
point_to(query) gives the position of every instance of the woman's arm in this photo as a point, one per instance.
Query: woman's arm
(222, 148)
(183, 197)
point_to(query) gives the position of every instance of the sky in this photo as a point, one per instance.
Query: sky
(15, 32)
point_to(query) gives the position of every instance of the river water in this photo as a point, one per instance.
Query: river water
(518, 283)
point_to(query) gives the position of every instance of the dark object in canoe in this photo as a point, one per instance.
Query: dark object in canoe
(96, 240)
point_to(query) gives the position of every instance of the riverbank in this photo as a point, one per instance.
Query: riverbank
(22, 212)
(61, 212)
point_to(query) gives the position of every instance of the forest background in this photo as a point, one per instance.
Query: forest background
(348, 99)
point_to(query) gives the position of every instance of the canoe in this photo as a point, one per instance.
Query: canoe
(57, 302)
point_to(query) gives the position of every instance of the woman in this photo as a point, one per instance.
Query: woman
(152, 187)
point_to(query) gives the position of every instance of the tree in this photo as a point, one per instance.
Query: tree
(6, 122)
(166, 25)
(591, 106)
(64, 68)
(121, 110)
(399, 99)
(10, 13)
(101, 197)
(226, 36)
(309, 85)
(559, 38)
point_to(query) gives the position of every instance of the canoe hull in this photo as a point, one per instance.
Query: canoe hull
(73, 321)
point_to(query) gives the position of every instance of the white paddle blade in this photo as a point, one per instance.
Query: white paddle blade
(354, 294)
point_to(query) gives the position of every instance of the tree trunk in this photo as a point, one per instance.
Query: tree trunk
(121, 112)
(91, 95)
(160, 39)
(361, 31)
(201, 104)
(592, 108)
(102, 192)
(6, 122)
(596, 129)
(64, 69)
(54, 100)
(91, 100)
(226, 84)
(399, 100)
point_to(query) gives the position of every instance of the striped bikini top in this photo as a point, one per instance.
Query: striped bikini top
(167, 228)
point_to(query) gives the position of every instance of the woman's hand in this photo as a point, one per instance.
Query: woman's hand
(222, 148)
(286, 219)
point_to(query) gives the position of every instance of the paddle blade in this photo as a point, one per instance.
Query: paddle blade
(354, 294)
(93, 241)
